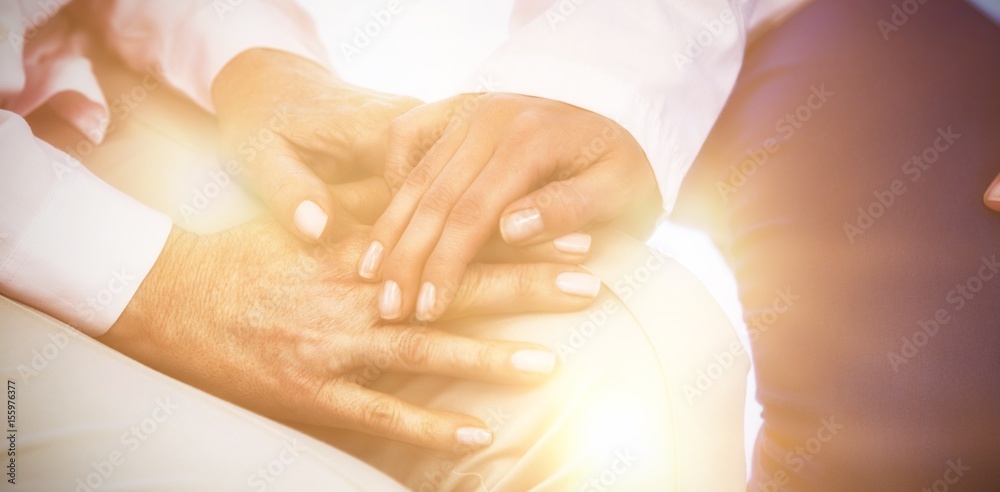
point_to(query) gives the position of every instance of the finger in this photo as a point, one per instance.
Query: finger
(404, 263)
(391, 225)
(597, 194)
(523, 288)
(992, 197)
(411, 136)
(297, 197)
(570, 249)
(364, 410)
(365, 200)
(511, 172)
(420, 349)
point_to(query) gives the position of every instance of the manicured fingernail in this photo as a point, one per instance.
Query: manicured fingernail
(389, 303)
(994, 195)
(579, 284)
(576, 243)
(534, 361)
(310, 219)
(521, 225)
(474, 436)
(372, 260)
(425, 302)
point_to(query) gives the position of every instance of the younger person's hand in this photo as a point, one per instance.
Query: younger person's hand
(541, 170)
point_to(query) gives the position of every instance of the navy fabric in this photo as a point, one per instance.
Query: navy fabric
(844, 181)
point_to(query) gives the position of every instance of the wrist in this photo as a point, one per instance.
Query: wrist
(138, 327)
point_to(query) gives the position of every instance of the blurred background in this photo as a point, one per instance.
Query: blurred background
(428, 49)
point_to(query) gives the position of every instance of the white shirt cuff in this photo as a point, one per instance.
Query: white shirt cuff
(71, 245)
(216, 36)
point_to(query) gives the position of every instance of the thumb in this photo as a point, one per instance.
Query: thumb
(298, 198)
(562, 207)
(992, 197)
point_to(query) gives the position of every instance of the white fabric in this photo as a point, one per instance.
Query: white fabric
(663, 69)
(70, 245)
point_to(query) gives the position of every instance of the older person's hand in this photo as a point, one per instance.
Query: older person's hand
(542, 170)
(284, 328)
(293, 126)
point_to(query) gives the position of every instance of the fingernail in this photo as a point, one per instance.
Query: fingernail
(310, 219)
(474, 436)
(372, 260)
(521, 225)
(576, 243)
(425, 302)
(389, 303)
(994, 195)
(534, 361)
(579, 284)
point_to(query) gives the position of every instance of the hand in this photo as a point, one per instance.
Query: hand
(285, 329)
(992, 197)
(541, 169)
(293, 127)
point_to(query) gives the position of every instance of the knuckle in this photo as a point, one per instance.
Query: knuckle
(400, 128)
(523, 281)
(436, 202)
(413, 347)
(438, 263)
(282, 191)
(468, 213)
(400, 263)
(486, 358)
(530, 119)
(575, 204)
(381, 414)
(419, 177)
(482, 362)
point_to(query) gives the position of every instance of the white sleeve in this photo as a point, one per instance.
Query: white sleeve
(662, 69)
(70, 244)
(190, 41)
